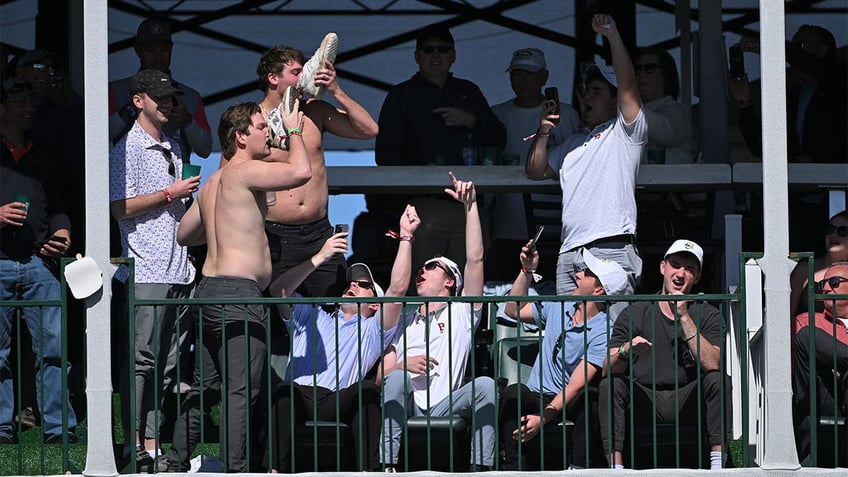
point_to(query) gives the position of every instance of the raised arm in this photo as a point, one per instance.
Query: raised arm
(473, 277)
(521, 286)
(287, 283)
(537, 167)
(629, 102)
(351, 121)
(402, 268)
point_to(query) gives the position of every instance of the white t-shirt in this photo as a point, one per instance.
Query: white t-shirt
(597, 174)
(508, 209)
(449, 338)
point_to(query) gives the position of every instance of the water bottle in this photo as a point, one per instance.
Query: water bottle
(469, 151)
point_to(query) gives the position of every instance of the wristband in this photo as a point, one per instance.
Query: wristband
(623, 354)
(541, 134)
(294, 132)
(524, 270)
(168, 197)
(403, 238)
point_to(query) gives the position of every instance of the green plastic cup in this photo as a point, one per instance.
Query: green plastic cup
(22, 198)
(190, 170)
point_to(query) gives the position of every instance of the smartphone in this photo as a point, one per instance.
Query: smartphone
(737, 62)
(536, 237)
(342, 228)
(58, 238)
(552, 94)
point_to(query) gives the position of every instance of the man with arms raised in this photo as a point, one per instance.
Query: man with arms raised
(297, 224)
(228, 215)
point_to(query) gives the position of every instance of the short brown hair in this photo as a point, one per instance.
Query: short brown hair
(235, 119)
(274, 60)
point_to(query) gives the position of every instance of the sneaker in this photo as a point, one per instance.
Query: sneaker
(326, 52)
(289, 97)
(145, 464)
(276, 130)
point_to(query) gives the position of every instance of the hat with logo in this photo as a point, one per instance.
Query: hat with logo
(154, 83)
(611, 275)
(529, 59)
(452, 267)
(359, 271)
(598, 69)
(687, 246)
(14, 89)
(153, 30)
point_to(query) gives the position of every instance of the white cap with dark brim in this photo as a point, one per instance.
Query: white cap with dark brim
(686, 246)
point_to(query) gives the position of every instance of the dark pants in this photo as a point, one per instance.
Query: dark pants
(360, 412)
(291, 245)
(672, 406)
(830, 355)
(510, 414)
(231, 344)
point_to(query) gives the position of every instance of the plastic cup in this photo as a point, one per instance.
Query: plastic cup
(22, 198)
(190, 170)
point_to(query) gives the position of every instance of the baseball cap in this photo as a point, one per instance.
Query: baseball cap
(452, 267)
(611, 275)
(606, 71)
(153, 82)
(153, 30)
(35, 56)
(687, 246)
(14, 89)
(360, 270)
(529, 59)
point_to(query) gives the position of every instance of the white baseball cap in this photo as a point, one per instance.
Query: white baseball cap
(687, 246)
(454, 270)
(612, 277)
(529, 59)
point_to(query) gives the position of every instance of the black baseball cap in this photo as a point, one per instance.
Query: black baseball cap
(154, 83)
(153, 30)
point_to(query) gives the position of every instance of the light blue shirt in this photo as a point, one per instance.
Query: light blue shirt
(559, 362)
(331, 352)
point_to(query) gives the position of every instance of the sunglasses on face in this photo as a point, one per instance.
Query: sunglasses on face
(363, 284)
(841, 230)
(833, 282)
(430, 49)
(648, 68)
(434, 265)
(171, 168)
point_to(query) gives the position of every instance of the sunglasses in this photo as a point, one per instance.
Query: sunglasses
(648, 68)
(430, 49)
(171, 168)
(434, 265)
(363, 284)
(841, 231)
(833, 282)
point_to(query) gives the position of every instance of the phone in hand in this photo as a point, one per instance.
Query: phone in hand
(552, 94)
(342, 228)
(58, 238)
(536, 238)
(737, 62)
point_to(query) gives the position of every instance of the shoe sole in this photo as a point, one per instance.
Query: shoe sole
(289, 97)
(326, 52)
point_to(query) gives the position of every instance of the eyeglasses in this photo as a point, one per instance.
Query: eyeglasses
(430, 49)
(841, 230)
(434, 265)
(363, 284)
(171, 168)
(833, 282)
(648, 68)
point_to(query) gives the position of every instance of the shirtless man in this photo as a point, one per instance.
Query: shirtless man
(228, 215)
(297, 224)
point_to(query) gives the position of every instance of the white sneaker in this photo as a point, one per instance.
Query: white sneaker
(277, 131)
(326, 52)
(289, 97)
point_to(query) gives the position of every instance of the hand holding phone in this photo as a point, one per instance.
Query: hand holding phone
(58, 238)
(535, 238)
(552, 95)
(342, 228)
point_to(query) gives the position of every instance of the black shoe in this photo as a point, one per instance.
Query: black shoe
(8, 440)
(57, 438)
(148, 465)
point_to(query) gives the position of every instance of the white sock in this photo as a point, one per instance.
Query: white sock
(716, 460)
(618, 466)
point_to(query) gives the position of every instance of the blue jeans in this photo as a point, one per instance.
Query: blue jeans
(30, 279)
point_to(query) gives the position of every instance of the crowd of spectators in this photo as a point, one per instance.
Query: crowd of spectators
(259, 227)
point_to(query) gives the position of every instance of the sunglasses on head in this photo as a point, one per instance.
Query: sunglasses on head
(171, 168)
(430, 49)
(841, 230)
(648, 68)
